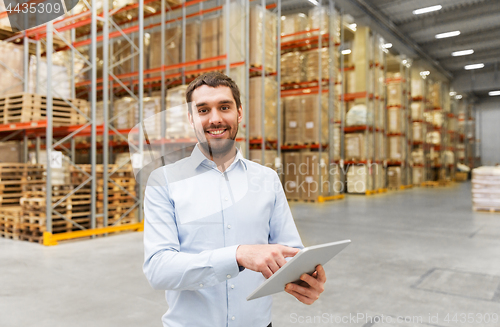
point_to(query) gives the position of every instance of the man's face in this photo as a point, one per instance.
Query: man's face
(215, 118)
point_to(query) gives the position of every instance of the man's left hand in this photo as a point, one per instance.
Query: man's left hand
(310, 287)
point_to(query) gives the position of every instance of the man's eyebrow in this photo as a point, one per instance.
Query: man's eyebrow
(220, 102)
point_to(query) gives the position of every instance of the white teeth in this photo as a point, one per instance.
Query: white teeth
(217, 132)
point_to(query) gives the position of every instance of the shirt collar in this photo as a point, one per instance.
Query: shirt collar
(197, 158)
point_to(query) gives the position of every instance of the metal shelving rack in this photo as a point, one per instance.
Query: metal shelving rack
(319, 87)
(421, 101)
(132, 83)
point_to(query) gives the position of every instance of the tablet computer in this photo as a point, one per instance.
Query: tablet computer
(305, 261)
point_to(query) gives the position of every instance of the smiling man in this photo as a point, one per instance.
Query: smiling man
(213, 214)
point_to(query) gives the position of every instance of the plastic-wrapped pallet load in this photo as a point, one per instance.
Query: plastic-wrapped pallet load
(212, 35)
(172, 49)
(486, 188)
(394, 120)
(178, 125)
(336, 142)
(361, 51)
(433, 138)
(418, 175)
(260, 20)
(124, 109)
(59, 176)
(358, 116)
(350, 81)
(313, 175)
(417, 132)
(12, 57)
(291, 183)
(394, 94)
(310, 106)
(417, 157)
(434, 117)
(435, 95)
(319, 19)
(380, 173)
(355, 146)
(269, 157)
(255, 108)
(417, 111)
(293, 119)
(311, 61)
(394, 177)
(359, 179)
(294, 23)
(292, 69)
(396, 150)
(380, 154)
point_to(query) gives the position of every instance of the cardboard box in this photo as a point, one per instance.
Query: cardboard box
(418, 175)
(291, 180)
(292, 68)
(315, 175)
(394, 120)
(417, 132)
(262, 20)
(395, 146)
(269, 157)
(356, 146)
(294, 23)
(359, 179)
(394, 177)
(255, 108)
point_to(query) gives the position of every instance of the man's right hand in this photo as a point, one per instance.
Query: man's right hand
(264, 258)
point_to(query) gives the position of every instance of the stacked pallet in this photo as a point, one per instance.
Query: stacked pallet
(71, 213)
(10, 222)
(27, 107)
(486, 189)
(13, 176)
(121, 192)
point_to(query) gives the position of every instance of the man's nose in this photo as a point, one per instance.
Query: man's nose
(215, 116)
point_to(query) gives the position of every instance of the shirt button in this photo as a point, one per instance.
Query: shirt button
(229, 226)
(228, 276)
(232, 286)
(232, 318)
(201, 285)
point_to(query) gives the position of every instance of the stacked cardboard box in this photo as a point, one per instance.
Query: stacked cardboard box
(396, 148)
(359, 179)
(418, 175)
(12, 60)
(291, 182)
(486, 188)
(292, 68)
(357, 147)
(270, 108)
(269, 157)
(417, 132)
(435, 95)
(263, 21)
(394, 177)
(311, 60)
(394, 120)
(294, 23)
(177, 123)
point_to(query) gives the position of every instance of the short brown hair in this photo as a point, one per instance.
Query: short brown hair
(213, 79)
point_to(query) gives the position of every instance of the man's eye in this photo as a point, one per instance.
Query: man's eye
(225, 108)
(202, 111)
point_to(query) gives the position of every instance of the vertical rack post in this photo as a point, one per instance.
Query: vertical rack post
(342, 107)
(278, 79)
(141, 87)
(331, 94)
(263, 82)
(247, 78)
(48, 133)
(163, 100)
(105, 136)
(93, 99)
(320, 93)
(183, 50)
(226, 36)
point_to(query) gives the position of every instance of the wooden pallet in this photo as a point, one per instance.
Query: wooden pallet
(26, 107)
(487, 209)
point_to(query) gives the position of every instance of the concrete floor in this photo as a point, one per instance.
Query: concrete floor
(420, 254)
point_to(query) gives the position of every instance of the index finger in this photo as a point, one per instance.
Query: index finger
(321, 273)
(289, 251)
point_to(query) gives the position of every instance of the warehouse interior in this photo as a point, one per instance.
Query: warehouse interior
(391, 107)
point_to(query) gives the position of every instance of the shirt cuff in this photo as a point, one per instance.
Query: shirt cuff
(224, 263)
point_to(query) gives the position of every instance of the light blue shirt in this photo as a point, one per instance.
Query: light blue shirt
(195, 218)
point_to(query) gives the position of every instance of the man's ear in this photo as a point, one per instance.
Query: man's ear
(190, 118)
(240, 114)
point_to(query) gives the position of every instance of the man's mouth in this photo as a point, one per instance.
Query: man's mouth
(217, 132)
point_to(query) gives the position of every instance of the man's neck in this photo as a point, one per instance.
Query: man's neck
(223, 161)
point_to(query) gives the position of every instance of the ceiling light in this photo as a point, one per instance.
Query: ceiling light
(452, 93)
(475, 66)
(458, 96)
(462, 53)
(346, 51)
(314, 2)
(427, 9)
(425, 73)
(387, 45)
(493, 93)
(447, 34)
(405, 61)
(352, 26)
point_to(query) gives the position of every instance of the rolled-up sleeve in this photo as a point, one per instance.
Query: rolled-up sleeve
(165, 267)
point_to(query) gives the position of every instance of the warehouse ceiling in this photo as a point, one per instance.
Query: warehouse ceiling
(415, 35)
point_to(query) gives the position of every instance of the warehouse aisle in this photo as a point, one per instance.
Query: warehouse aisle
(413, 253)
